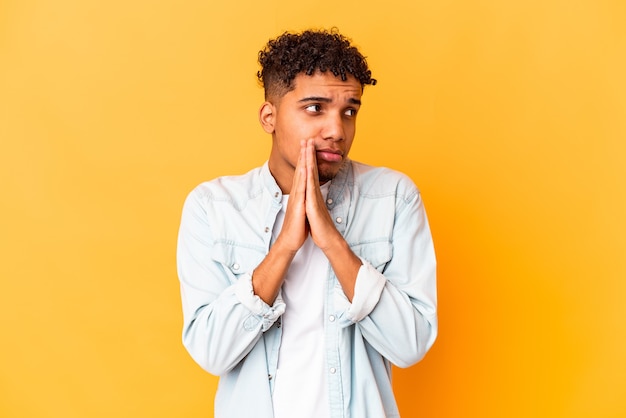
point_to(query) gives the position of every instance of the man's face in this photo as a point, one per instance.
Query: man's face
(321, 107)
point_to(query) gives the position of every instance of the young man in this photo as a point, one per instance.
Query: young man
(303, 280)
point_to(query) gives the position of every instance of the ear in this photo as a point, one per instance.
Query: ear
(267, 117)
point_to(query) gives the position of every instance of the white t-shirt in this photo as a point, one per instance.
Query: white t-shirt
(300, 388)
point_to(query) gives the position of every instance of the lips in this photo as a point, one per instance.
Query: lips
(329, 155)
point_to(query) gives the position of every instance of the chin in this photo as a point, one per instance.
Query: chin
(327, 173)
(326, 176)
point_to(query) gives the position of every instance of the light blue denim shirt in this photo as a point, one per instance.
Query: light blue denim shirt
(226, 231)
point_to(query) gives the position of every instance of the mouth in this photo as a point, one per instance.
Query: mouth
(329, 155)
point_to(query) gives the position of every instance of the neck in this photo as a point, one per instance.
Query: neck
(283, 178)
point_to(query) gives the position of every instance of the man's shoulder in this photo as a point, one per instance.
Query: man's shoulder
(367, 170)
(232, 187)
(382, 179)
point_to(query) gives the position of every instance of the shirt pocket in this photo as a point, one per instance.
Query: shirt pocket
(236, 260)
(377, 253)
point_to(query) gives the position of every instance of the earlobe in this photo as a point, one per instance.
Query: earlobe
(267, 115)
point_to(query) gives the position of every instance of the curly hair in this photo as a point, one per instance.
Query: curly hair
(290, 54)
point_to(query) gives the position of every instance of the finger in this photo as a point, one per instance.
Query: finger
(295, 229)
(311, 160)
(300, 175)
(314, 196)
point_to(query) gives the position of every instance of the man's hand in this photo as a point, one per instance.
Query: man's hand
(268, 277)
(325, 235)
(295, 228)
(306, 213)
(323, 230)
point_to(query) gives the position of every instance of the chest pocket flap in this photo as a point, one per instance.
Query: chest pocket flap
(236, 259)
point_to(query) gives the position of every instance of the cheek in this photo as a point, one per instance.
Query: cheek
(289, 125)
(349, 131)
(287, 141)
(349, 126)
(293, 131)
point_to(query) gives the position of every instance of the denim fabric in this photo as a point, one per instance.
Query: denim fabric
(226, 231)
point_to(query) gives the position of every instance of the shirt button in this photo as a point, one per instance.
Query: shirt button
(331, 318)
(276, 194)
(329, 201)
(267, 229)
(339, 220)
(332, 370)
(235, 266)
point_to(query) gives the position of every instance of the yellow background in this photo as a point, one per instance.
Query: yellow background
(509, 115)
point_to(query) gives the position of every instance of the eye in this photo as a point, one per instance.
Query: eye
(314, 108)
(350, 112)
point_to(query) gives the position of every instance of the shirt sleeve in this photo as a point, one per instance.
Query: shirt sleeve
(223, 319)
(367, 291)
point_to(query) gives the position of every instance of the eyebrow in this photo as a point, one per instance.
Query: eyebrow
(326, 100)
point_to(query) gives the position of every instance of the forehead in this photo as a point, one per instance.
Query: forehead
(326, 84)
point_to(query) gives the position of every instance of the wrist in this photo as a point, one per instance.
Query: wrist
(333, 242)
(283, 248)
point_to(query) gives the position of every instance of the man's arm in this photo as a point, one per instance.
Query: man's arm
(215, 302)
(325, 235)
(396, 311)
(269, 275)
(223, 320)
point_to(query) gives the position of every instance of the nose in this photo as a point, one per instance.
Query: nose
(333, 129)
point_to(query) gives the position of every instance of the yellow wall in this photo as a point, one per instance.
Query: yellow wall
(509, 115)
